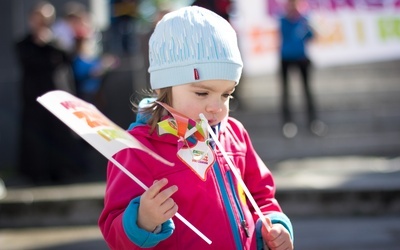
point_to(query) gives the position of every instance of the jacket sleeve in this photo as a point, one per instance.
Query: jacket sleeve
(118, 219)
(257, 177)
(259, 180)
(140, 236)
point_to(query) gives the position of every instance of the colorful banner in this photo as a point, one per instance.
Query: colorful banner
(347, 32)
(89, 123)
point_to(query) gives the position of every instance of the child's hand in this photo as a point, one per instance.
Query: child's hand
(156, 206)
(277, 237)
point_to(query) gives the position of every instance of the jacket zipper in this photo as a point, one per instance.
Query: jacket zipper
(219, 175)
(243, 221)
(228, 206)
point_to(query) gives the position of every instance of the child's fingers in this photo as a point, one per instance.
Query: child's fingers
(277, 238)
(154, 192)
(170, 208)
(266, 231)
(155, 189)
(166, 194)
(267, 227)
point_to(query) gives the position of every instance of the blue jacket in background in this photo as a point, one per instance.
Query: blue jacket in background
(294, 35)
(86, 82)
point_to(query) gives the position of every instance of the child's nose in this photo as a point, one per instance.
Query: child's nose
(214, 107)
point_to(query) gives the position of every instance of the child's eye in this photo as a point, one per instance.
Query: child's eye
(227, 96)
(201, 93)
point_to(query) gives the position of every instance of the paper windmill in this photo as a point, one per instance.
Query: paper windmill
(193, 145)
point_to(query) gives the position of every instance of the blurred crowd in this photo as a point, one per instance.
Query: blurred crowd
(64, 53)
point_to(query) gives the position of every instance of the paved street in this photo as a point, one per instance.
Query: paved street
(365, 233)
(347, 233)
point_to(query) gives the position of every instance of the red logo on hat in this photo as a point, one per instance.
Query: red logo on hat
(196, 74)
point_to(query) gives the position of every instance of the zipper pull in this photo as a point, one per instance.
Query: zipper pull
(245, 228)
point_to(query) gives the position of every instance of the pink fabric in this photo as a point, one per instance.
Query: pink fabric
(200, 202)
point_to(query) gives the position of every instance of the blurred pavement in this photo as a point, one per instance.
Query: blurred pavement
(344, 233)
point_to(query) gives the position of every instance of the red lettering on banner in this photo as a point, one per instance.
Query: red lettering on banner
(74, 105)
(69, 104)
(263, 40)
(374, 4)
(275, 7)
(92, 119)
(337, 4)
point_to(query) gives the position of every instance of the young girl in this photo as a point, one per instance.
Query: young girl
(195, 65)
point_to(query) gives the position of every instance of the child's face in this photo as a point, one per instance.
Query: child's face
(208, 97)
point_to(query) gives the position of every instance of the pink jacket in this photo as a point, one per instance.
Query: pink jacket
(215, 206)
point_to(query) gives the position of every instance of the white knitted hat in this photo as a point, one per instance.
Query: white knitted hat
(193, 44)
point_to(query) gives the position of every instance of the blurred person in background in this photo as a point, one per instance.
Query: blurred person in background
(295, 33)
(64, 28)
(89, 64)
(124, 14)
(90, 67)
(47, 150)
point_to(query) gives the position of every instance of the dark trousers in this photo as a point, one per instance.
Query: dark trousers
(304, 68)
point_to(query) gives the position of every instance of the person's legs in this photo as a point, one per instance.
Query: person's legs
(304, 67)
(316, 126)
(284, 70)
(33, 155)
(289, 128)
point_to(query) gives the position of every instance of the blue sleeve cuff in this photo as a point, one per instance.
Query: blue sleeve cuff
(275, 217)
(139, 236)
